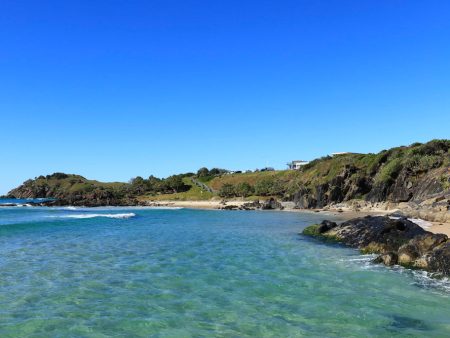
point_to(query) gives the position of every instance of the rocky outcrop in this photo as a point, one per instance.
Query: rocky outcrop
(418, 175)
(411, 174)
(92, 201)
(398, 241)
(344, 188)
(435, 209)
(66, 189)
(270, 204)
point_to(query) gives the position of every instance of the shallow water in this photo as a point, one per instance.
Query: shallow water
(190, 273)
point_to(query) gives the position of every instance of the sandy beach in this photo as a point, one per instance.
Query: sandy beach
(344, 213)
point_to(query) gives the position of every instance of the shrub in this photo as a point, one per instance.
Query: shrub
(227, 190)
(243, 189)
(263, 187)
(434, 147)
(58, 176)
(390, 171)
(313, 163)
(269, 187)
(176, 183)
(421, 163)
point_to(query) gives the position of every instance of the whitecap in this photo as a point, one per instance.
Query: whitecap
(82, 216)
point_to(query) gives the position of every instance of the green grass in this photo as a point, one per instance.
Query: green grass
(193, 194)
(250, 178)
(377, 169)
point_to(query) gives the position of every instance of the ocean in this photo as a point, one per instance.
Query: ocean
(140, 272)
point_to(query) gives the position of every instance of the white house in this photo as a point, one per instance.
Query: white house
(297, 164)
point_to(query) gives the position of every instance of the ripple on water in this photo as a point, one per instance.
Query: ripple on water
(201, 273)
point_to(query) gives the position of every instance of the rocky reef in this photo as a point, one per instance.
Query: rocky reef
(397, 241)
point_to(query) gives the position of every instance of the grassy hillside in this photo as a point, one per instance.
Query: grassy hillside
(399, 174)
(60, 183)
(250, 178)
(73, 189)
(193, 194)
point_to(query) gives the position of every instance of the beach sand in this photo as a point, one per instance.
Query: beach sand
(343, 213)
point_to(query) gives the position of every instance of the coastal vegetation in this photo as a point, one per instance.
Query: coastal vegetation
(192, 193)
(76, 190)
(401, 174)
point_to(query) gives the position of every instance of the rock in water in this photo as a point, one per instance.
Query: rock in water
(399, 241)
(376, 234)
(390, 258)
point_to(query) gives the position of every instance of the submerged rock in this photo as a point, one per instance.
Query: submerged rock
(399, 241)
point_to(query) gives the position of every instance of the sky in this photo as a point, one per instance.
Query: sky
(115, 89)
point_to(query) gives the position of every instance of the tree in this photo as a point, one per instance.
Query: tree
(138, 185)
(214, 172)
(203, 172)
(269, 187)
(154, 184)
(227, 190)
(176, 183)
(244, 189)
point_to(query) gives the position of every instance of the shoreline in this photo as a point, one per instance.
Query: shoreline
(343, 212)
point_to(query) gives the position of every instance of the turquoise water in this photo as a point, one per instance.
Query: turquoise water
(190, 273)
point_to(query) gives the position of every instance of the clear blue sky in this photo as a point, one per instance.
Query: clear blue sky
(115, 89)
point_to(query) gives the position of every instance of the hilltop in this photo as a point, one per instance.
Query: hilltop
(70, 189)
(399, 174)
(415, 174)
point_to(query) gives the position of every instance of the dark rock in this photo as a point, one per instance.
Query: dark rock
(272, 204)
(404, 174)
(399, 241)
(230, 207)
(428, 241)
(251, 205)
(326, 226)
(304, 199)
(407, 254)
(439, 259)
(377, 234)
(389, 258)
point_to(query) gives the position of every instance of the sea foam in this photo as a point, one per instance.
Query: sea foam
(119, 216)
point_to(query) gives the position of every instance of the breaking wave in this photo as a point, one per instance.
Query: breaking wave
(120, 216)
(420, 278)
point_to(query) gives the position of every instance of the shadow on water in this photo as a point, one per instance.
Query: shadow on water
(403, 322)
(322, 241)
